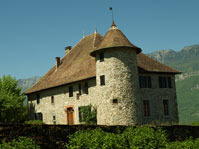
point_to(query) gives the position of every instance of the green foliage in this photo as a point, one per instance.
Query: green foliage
(145, 137)
(34, 122)
(133, 137)
(88, 114)
(95, 139)
(187, 144)
(11, 101)
(20, 143)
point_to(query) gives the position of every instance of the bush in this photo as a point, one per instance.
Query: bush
(20, 143)
(34, 122)
(94, 139)
(145, 137)
(187, 144)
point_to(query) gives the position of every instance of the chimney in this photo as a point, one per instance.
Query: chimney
(67, 49)
(58, 62)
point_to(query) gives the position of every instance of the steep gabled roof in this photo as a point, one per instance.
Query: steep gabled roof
(147, 64)
(114, 38)
(79, 65)
(76, 65)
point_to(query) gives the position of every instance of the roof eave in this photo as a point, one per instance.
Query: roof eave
(93, 53)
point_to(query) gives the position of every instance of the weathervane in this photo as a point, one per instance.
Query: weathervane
(111, 9)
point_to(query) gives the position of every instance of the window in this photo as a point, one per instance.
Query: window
(115, 101)
(52, 100)
(54, 119)
(39, 116)
(84, 111)
(102, 80)
(169, 82)
(166, 107)
(145, 81)
(101, 57)
(70, 91)
(146, 108)
(165, 82)
(86, 87)
(80, 89)
(38, 98)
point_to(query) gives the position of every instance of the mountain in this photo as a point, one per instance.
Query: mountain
(187, 84)
(186, 60)
(27, 83)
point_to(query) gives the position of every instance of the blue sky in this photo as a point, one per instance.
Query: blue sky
(34, 32)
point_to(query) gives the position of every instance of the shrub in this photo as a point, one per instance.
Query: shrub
(34, 122)
(94, 139)
(145, 137)
(20, 143)
(88, 114)
(187, 144)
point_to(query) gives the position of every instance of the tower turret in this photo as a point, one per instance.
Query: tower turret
(117, 80)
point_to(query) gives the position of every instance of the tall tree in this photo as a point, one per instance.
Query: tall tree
(12, 109)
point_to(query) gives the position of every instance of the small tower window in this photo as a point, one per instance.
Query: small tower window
(166, 107)
(52, 100)
(70, 91)
(115, 100)
(101, 57)
(146, 108)
(102, 80)
(38, 98)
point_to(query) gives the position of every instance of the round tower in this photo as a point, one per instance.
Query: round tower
(118, 95)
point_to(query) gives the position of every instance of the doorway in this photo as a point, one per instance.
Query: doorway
(70, 117)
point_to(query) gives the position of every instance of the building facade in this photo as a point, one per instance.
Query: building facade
(111, 74)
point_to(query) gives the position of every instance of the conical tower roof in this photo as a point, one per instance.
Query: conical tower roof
(114, 38)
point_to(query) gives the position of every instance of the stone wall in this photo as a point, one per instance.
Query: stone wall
(62, 102)
(156, 95)
(121, 82)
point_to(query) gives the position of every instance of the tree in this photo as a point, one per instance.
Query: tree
(11, 101)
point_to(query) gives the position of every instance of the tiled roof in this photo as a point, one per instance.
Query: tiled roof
(79, 65)
(115, 38)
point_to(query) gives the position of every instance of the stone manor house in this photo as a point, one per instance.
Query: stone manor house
(110, 73)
